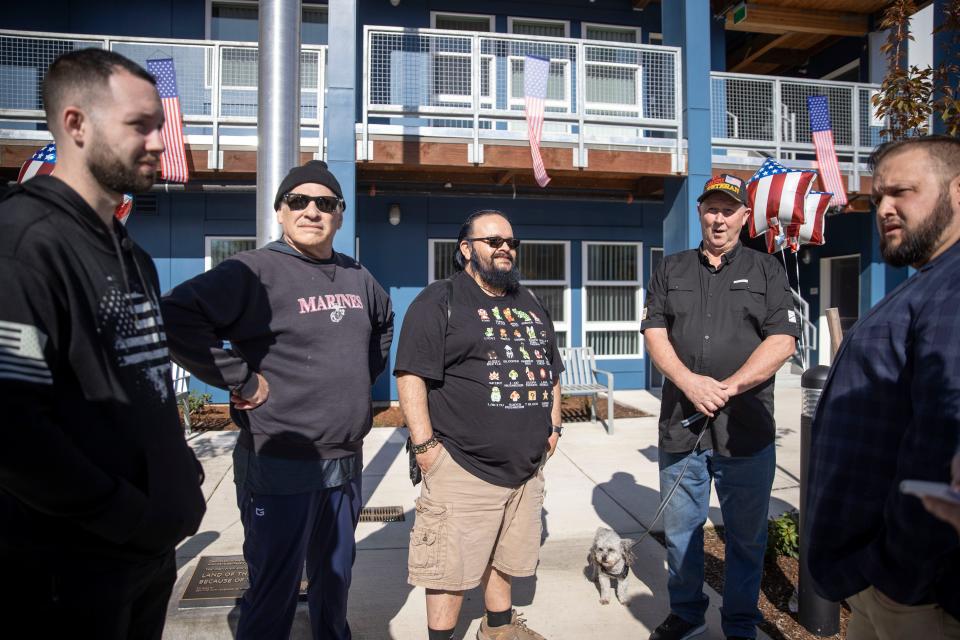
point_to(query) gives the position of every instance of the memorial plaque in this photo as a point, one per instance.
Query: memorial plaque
(219, 581)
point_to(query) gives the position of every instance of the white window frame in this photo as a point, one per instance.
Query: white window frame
(565, 23)
(614, 27)
(207, 247)
(208, 11)
(558, 327)
(491, 19)
(519, 101)
(592, 325)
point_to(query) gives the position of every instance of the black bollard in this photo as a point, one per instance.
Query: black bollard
(817, 615)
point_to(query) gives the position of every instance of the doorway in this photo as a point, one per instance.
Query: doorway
(840, 288)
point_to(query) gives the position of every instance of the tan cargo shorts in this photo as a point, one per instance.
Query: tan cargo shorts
(463, 524)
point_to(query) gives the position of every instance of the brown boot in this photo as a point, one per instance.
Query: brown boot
(516, 630)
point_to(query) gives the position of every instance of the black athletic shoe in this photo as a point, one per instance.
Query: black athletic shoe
(676, 628)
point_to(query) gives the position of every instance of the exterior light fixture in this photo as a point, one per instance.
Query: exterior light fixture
(394, 214)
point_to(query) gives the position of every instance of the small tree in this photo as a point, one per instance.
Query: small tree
(906, 96)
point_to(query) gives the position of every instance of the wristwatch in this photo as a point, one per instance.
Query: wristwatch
(558, 429)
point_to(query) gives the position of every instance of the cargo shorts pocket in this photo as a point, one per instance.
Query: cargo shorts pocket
(426, 553)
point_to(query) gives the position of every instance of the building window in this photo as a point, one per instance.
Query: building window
(539, 28)
(611, 33)
(462, 22)
(612, 296)
(654, 38)
(219, 248)
(544, 268)
(237, 20)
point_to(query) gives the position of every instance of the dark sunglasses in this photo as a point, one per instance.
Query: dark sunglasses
(299, 202)
(496, 241)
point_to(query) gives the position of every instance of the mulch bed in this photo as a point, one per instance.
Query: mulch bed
(575, 409)
(777, 586)
(212, 417)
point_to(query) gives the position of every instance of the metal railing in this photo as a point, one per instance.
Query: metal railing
(465, 85)
(216, 81)
(767, 116)
(808, 330)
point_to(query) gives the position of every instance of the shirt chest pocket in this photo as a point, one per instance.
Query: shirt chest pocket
(748, 298)
(680, 297)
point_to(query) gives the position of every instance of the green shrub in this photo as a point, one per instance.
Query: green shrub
(197, 402)
(783, 535)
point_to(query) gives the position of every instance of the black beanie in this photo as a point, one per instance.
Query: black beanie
(314, 171)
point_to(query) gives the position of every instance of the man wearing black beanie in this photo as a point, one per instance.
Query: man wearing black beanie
(310, 331)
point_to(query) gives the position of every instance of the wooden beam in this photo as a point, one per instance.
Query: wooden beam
(640, 5)
(505, 177)
(780, 20)
(750, 54)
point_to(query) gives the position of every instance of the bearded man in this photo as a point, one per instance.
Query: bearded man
(482, 427)
(97, 485)
(890, 411)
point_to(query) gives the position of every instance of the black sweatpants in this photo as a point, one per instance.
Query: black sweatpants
(78, 596)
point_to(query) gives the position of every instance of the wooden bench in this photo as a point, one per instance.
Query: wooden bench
(579, 378)
(181, 391)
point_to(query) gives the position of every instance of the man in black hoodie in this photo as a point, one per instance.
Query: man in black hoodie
(97, 485)
(310, 331)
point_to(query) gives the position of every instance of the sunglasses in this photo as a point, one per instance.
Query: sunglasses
(496, 242)
(326, 204)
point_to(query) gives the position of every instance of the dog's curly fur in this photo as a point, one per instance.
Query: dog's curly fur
(609, 556)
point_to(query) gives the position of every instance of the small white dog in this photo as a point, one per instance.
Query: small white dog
(610, 559)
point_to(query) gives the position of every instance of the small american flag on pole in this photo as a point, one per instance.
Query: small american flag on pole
(535, 73)
(173, 162)
(826, 154)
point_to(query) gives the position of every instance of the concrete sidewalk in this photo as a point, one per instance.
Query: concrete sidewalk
(594, 480)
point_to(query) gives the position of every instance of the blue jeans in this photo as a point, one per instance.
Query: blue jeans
(743, 487)
(280, 532)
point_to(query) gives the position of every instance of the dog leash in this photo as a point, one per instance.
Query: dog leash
(663, 505)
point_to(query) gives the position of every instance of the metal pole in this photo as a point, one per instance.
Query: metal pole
(278, 107)
(817, 615)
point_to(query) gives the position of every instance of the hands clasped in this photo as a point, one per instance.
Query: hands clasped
(707, 394)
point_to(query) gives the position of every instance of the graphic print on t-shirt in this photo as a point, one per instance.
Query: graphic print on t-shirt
(520, 374)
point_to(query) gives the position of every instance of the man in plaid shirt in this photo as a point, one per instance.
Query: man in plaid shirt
(890, 411)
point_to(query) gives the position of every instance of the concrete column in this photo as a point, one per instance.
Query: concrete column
(687, 24)
(342, 113)
(278, 107)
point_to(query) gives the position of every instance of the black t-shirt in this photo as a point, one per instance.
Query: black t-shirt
(490, 370)
(715, 319)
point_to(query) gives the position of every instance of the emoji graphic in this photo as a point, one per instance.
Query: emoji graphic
(543, 373)
(551, 375)
(491, 355)
(513, 374)
(483, 315)
(522, 315)
(496, 313)
(532, 396)
(546, 394)
(517, 334)
(514, 396)
(488, 332)
(503, 334)
(508, 351)
(523, 352)
(495, 375)
(535, 318)
(537, 354)
(531, 333)
(495, 394)
(507, 315)
(530, 375)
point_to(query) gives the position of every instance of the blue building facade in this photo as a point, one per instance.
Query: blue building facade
(427, 127)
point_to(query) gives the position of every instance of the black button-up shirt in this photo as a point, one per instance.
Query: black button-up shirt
(715, 319)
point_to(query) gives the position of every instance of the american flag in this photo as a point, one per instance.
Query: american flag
(826, 154)
(173, 162)
(535, 73)
(775, 194)
(42, 163)
(811, 230)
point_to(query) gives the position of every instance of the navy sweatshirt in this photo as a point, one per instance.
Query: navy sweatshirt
(93, 461)
(319, 331)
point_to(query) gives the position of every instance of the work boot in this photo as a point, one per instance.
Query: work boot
(516, 630)
(676, 628)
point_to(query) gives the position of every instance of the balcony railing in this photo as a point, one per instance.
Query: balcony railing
(217, 83)
(762, 116)
(469, 86)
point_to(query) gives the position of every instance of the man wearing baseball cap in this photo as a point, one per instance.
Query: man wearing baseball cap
(310, 331)
(718, 323)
